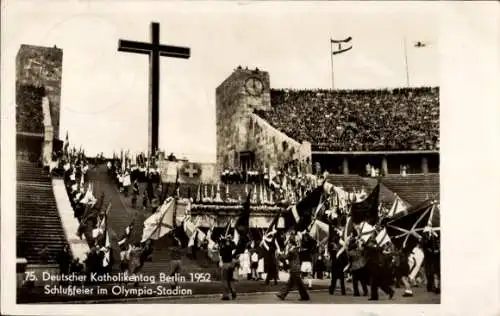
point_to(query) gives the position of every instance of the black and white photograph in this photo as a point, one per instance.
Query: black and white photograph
(226, 153)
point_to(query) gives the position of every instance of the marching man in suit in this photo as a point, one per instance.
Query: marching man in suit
(227, 265)
(379, 268)
(432, 260)
(294, 280)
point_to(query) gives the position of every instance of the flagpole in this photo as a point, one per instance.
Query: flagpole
(331, 63)
(406, 64)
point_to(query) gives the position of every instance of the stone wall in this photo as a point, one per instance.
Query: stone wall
(42, 67)
(274, 148)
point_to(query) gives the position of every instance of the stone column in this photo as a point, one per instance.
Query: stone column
(345, 166)
(384, 169)
(425, 165)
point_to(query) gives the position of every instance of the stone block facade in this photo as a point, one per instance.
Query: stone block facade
(39, 66)
(240, 131)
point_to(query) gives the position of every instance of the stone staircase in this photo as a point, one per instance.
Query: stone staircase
(352, 182)
(355, 182)
(414, 188)
(39, 233)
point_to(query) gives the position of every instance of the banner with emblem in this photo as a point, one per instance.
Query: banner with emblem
(190, 172)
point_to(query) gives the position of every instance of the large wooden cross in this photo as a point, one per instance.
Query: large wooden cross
(154, 50)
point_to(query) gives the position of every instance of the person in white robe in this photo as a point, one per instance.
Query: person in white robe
(244, 270)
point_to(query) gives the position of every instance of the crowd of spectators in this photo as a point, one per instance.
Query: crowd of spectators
(358, 120)
(29, 112)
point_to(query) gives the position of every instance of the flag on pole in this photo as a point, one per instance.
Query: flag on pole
(368, 209)
(397, 206)
(160, 223)
(227, 230)
(341, 46)
(420, 44)
(106, 260)
(66, 145)
(242, 228)
(406, 228)
(270, 235)
(300, 216)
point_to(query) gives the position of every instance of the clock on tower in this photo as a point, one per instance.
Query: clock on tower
(254, 86)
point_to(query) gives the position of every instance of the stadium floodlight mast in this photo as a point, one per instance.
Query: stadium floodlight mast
(338, 47)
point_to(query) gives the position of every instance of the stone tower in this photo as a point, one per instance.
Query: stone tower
(244, 138)
(239, 95)
(39, 68)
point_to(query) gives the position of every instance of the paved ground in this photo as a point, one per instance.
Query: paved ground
(252, 292)
(421, 296)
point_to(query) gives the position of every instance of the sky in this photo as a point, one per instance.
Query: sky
(104, 98)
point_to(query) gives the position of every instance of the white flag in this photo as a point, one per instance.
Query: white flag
(160, 223)
(107, 252)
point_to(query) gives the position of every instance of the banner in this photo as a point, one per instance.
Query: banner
(189, 172)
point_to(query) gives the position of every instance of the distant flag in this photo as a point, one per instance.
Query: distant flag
(272, 176)
(198, 194)
(261, 194)
(66, 144)
(254, 195)
(420, 44)
(341, 46)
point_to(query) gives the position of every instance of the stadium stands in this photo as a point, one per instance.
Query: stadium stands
(358, 120)
(414, 188)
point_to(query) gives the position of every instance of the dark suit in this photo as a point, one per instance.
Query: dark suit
(226, 254)
(294, 279)
(432, 262)
(359, 271)
(380, 271)
(338, 265)
(271, 265)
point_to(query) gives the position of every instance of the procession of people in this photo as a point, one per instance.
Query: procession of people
(295, 256)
